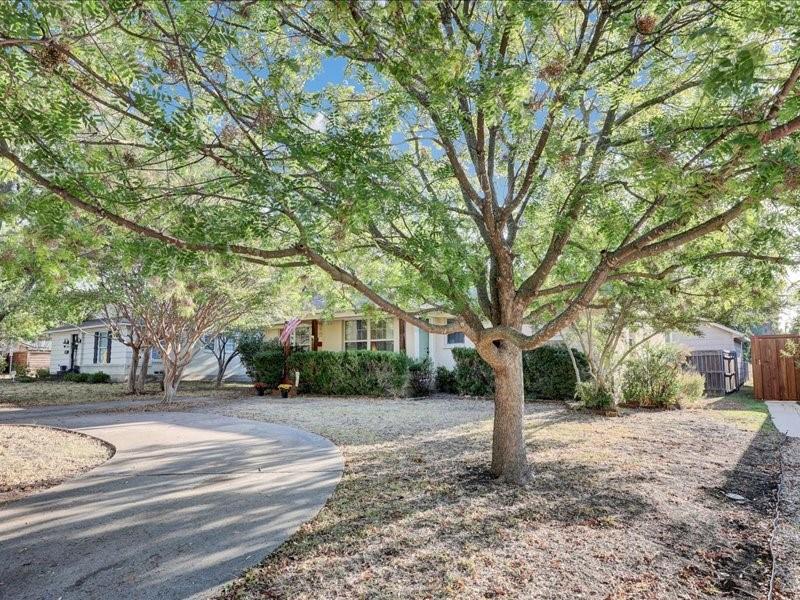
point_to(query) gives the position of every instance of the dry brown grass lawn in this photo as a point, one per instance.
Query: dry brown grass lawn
(33, 458)
(787, 541)
(626, 507)
(42, 393)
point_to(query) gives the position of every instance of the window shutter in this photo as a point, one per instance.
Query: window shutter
(96, 345)
(108, 350)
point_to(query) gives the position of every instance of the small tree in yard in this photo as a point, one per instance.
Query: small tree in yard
(180, 314)
(503, 161)
(125, 300)
(627, 316)
(225, 347)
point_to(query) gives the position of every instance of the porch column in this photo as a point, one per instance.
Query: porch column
(315, 343)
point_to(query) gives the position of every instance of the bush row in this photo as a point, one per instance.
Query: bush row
(548, 373)
(98, 377)
(360, 372)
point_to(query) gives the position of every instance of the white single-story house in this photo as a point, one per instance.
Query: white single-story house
(91, 347)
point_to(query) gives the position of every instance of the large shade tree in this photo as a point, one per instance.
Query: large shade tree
(502, 161)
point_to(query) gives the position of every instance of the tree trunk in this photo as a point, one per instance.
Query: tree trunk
(170, 389)
(509, 458)
(221, 367)
(133, 371)
(143, 372)
(172, 377)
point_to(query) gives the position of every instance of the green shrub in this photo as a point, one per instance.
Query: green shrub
(42, 373)
(473, 375)
(263, 359)
(99, 377)
(652, 379)
(547, 373)
(24, 379)
(361, 373)
(593, 395)
(20, 370)
(446, 381)
(692, 386)
(77, 377)
(419, 377)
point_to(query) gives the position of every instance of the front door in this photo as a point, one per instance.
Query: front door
(73, 351)
(424, 344)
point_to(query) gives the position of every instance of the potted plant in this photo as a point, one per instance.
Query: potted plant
(260, 387)
(284, 388)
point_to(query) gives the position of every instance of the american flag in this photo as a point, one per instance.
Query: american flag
(288, 330)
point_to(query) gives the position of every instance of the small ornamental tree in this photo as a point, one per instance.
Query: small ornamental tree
(225, 347)
(503, 161)
(179, 315)
(125, 301)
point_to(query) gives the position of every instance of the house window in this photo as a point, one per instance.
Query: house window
(301, 337)
(363, 334)
(155, 354)
(455, 339)
(102, 347)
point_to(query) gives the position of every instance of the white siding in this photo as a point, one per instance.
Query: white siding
(84, 359)
(204, 367)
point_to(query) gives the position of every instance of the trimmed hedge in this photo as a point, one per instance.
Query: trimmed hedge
(361, 372)
(547, 373)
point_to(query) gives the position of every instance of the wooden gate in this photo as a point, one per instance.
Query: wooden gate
(775, 376)
(720, 369)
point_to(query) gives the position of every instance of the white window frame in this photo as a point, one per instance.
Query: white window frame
(304, 327)
(369, 341)
(103, 354)
(448, 343)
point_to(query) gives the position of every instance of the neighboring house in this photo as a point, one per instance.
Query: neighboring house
(91, 347)
(34, 355)
(712, 336)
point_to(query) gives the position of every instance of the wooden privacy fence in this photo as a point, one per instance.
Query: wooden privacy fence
(775, 376)
(724, 371)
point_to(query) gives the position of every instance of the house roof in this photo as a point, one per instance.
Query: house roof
(88, 324)
(727, 329)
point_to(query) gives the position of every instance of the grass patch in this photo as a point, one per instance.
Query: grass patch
(33, 458)
(740, 409)
(45, 393)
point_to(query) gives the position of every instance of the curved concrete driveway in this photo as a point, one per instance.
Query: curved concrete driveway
(185, 504)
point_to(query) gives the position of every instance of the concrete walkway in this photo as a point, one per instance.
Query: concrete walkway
(186, 503)
(786, 417)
